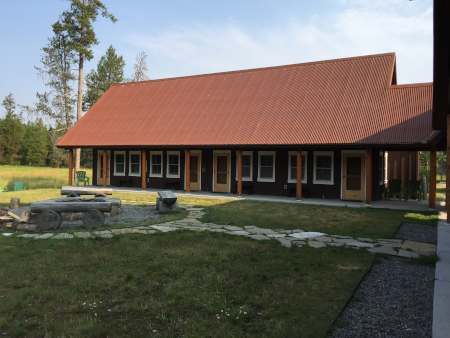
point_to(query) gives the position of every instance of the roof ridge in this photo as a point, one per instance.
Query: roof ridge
(260, 69)
(400, 86)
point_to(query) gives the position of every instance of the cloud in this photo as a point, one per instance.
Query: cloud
(358, 27)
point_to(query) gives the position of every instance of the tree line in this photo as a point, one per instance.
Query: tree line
(61, 105)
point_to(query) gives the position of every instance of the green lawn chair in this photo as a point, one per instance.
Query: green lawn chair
(413, 188)
(394, 188)
(3, 189)
(18, 186)
(81, 177)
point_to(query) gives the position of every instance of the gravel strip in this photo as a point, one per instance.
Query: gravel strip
(417, 232)
(395, 299)
(132, 215)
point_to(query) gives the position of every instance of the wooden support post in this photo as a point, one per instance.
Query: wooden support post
(447, 172)
(144, 169)
(432, 198)
(188, 171)
(239, 184)
(299, 176)
(105, 155)
(71, 166)
(369, 176)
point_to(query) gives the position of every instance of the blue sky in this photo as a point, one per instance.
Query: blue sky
(195, 37)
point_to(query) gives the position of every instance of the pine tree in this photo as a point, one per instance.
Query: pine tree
(35, 146)
(109, 71)
(11, 132)
(140, 68)
(77, 23)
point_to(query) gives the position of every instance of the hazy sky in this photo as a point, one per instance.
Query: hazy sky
(195, 37)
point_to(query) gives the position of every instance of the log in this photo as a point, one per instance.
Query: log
(15, 203)
(167, 196)
(13, 215)
(27, 227)
(87, 191)
(25, 217)
(48, 220)
(70, 207)
(93, 219)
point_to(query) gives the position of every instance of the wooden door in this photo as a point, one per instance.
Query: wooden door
(195, 171)
(100, 168)
(353, 178)
(221, 172)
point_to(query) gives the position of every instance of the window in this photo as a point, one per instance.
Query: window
(135, 163)
(266, 166)
(292, 174)
(119, 163)
(173, 164)
(247, 165)
(323, 167)
(156, 164)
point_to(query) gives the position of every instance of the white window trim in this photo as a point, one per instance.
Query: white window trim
(324, 153)
(129, 164)
(124, 164)
(273, 153)
(246, 153)
(179, 164)
(386, 167)
(151, 163)
(292, 153)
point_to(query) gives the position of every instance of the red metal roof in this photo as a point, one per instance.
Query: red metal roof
(343, 101)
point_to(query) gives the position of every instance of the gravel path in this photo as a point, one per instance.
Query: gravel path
(132, 215)
(417, 232)
(395, 299)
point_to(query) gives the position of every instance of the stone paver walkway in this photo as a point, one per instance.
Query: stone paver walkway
(287, 238)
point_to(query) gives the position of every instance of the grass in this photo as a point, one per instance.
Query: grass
(428, 260)
(440, 191)
(172, 285)
(355, 222)
(35, 177)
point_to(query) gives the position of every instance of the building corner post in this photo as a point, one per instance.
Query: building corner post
(71, 166)
(105, 156)
(369, 176)
(188, 170)
(239, 183)
(298, 195)
(144, 169)
(432, 197)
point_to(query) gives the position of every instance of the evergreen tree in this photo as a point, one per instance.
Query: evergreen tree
(35, 147)
(77, 23)
(109, 71)
(11, 132)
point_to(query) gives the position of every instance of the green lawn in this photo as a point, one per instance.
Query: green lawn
(355, 222)
(173, 285)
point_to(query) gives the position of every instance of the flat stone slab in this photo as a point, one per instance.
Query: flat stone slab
(258, 237)
(338, 236)
(323, 239)
(285, 241)
(304, 235)
(285, 231)
(296, 230)
(316, 244)
(8, 234)
(163, 228)
(391, 244)
(369, 240)
(28, 235)
(407, 254)
(335, 244)
(121, 231)
(83, 234)
(139, 231)
(62, 236)
(386, 250)
(276, 235)
(104, 234)
(217, 230)
(394, 241)
(418, 246)
(353, 242)
(44, 236)
(213, 226)
(238, 232)
(232, 228)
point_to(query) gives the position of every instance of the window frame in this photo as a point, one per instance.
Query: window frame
(116, 173)
(263, 153)
(151, 174)
(305, 163)
(130, 173)
(323, 153)
(179, 164)
(245, 153)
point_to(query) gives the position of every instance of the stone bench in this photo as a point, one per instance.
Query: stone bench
(166, 202)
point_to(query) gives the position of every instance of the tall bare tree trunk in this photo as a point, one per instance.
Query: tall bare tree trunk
(79, 108)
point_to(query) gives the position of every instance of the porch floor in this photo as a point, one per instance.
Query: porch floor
(412, 205)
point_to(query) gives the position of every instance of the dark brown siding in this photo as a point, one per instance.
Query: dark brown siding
(403, 165)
